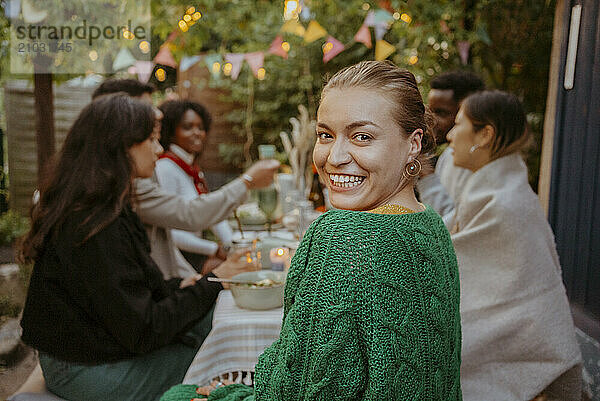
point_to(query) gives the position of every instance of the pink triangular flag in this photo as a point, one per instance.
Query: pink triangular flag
(144, 70)
(364, 36)
(255, 61)
(172, 36)
(276, 48)
(370, 19)
(463, 51)
(236, 60)
(331, 48)
(165, 57)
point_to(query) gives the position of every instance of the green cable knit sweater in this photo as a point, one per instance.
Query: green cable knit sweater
(371, 312)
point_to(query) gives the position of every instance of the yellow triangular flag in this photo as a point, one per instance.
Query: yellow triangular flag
(314, 32)
(293, 26)
(383, 49)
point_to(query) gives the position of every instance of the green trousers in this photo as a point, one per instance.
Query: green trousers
(144, 378)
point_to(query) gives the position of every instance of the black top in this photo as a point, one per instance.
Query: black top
(106, 300)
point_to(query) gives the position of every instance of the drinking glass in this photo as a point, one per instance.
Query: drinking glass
(267, 202)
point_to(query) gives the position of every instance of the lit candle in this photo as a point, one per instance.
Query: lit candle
(279, 258)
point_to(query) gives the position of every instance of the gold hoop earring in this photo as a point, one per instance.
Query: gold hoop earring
(412, 169)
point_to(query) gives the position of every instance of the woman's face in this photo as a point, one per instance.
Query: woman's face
(360, 151)
(144, 156)
(190, 133)
(462, 138)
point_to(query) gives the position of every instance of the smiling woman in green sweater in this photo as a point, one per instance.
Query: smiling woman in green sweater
(372, 297)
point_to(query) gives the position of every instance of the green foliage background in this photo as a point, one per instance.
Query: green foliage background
(510, 47)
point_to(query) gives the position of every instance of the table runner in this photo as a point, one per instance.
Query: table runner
(237, 338)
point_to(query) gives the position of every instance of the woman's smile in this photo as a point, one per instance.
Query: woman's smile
(343, 182)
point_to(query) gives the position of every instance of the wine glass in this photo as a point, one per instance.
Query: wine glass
(267, 202)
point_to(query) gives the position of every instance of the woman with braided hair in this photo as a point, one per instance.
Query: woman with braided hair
(371, 307)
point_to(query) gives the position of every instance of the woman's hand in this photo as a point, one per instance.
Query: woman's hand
(206, 390)
(235, 263)
(261, 173)
(190, 280)
(222, 252)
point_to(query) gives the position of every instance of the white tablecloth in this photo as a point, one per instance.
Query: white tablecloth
(237, 338)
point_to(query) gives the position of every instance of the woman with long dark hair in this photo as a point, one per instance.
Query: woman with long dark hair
(106, 324)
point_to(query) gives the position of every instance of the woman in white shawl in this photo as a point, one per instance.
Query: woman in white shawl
(518, 334)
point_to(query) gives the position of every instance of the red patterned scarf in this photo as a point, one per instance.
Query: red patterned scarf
(192, 171)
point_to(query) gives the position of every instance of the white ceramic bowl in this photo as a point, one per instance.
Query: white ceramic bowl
(258, 298)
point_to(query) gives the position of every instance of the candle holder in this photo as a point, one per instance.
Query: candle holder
(280, 258)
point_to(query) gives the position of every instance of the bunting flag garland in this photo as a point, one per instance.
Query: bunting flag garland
(386, 5)
(332, 48)
(304, 11)
(31, 15)
(276, 47)
(444, 28)
(236, 60)
(213, 62)
(294, 27)
(370, 19)
(380, 30)
(314, 31)
(383, 49)
(255, 60)
(165, 57)
(13, 9)
(463, 50)
(188, 61)
(172, 36)
(144, 70)
(124, 59)
(382, 17)
(363, 35)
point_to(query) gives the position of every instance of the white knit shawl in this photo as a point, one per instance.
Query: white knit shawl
(518, 334)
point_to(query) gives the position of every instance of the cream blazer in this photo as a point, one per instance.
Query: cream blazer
(161, 211)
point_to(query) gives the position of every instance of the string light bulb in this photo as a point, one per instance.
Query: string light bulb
(413, 60)
(160, 74)
(291, 9)
(366, 6)
(216, 67)
(285, 46)
(187, 18)
(227, 68)
(260, 74)
(327, 47)
(183, 26)
(396, 15)
(191, 10)
(406, 18)
(197, 15)
(93, 54)
(144, 46)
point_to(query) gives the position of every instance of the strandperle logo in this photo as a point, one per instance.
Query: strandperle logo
(83, 31)
(77, 36)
